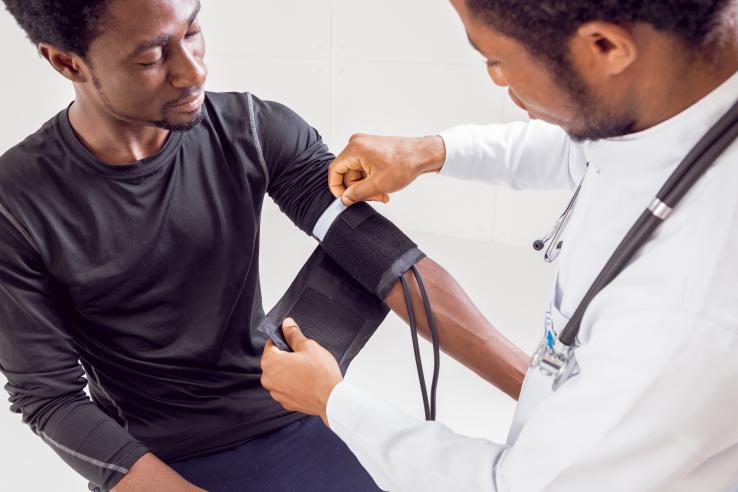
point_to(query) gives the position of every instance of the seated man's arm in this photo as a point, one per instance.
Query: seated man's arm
(297, 161)
(46, 381)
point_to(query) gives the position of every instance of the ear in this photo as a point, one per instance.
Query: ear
(606, 47)
(69, 65)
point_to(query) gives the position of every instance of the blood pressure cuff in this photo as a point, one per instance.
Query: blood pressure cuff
(369, 247)
(330, 307)
(338, 297)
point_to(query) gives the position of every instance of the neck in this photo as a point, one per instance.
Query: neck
(113, 140)
(672, 88)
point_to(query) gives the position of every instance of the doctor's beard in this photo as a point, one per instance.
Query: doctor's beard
(595, 120)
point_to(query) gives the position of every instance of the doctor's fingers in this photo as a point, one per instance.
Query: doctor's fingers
(365, 190)
(353, 166)
(270, 350)
(346, 162)
(353, 176)
(293, 335)
(277, 368)
(269, 357)
(284, 400)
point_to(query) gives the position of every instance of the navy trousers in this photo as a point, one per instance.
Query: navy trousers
(304, 456)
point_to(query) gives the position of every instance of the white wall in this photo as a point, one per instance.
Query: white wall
(399, 67)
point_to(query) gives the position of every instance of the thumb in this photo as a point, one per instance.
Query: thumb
(292, 333)
(366, 189)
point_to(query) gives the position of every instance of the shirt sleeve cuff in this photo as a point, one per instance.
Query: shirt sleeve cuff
(345, 404)
(460, 152)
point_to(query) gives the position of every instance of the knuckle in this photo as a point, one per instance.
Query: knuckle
(359, 141)
(265, 382)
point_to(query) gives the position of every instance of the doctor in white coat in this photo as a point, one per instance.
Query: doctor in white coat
(618, 93)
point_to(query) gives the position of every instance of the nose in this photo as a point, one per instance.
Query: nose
(495, 73)
(189, 70)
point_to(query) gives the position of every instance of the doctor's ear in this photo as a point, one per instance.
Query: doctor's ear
(604, 47)
(68, 64)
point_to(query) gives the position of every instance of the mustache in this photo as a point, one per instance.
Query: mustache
(187, 94)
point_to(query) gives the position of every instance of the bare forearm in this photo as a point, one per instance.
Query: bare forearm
(153, 475)
(464, 333)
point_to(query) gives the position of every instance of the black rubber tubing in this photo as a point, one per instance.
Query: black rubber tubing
(416, 345)
(434, 340)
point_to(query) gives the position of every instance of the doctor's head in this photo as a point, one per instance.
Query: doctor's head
(139, 62)
(601, 68)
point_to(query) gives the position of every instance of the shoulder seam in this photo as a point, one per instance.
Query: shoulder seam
(255, 135)
(17, 225)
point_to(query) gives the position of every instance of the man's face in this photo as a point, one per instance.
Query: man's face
(557, 95)
(148, 63)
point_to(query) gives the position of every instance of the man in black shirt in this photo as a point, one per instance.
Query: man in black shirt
(129, 243)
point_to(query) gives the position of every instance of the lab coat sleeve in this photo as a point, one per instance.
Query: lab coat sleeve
(406, 454)
(637, 418)
(530, 155)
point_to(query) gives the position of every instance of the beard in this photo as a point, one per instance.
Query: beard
(182, 126)
(596, 119)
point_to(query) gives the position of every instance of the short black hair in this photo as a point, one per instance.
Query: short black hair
(70, 25)
(546, 26)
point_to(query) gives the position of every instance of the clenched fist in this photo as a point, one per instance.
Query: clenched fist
(371, 167)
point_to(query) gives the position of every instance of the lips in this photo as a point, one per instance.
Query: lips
(191, 103)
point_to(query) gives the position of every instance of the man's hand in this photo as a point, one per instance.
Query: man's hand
(301, 381)
(372, 167)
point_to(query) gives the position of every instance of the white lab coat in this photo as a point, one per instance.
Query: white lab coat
(655, 407)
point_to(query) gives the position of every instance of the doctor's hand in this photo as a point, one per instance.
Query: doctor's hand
(371, 167)
(300, 381)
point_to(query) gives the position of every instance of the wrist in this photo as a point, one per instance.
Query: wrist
(432, 154)
(326, 401)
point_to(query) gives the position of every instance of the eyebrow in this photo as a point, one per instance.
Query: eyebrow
(163, 39)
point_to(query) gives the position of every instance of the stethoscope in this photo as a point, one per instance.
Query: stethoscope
(555, 355)
(552, 357)
(554, 235)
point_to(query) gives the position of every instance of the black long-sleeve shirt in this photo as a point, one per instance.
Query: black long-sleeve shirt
(142, 282)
